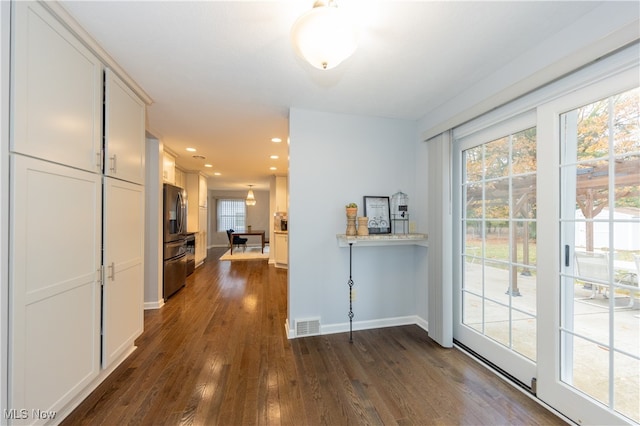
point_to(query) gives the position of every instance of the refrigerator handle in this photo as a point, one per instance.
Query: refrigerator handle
(179, 213)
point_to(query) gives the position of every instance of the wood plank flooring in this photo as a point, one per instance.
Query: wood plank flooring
(217, 354)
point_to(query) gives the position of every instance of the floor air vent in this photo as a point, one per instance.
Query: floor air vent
(308, 327)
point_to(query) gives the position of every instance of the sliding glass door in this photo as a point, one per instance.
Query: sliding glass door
(496, 246)
(546, 218)
(589, 252)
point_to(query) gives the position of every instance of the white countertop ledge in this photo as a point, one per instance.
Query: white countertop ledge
(383, 240)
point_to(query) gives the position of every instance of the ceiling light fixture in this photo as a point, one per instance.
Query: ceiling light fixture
(191, 149)
(276, 140)
(208, 165)
(274, 157)
(251, 199)
(324, 36)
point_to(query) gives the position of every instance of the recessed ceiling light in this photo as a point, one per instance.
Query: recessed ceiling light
(273, 168)
(217, 174)
(208, 165)
(276, 140)
(191, 149)
(274, 157)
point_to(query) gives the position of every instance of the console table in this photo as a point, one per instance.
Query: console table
(374, 240)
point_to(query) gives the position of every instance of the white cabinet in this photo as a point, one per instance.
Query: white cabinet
(56, 215)
(282, 194)
(282, 250)
(180, 179)
(124, 131)
(123, 293)
(197, 212)
(58, 92)
(201, 236)
(168, 168)
(54, 283)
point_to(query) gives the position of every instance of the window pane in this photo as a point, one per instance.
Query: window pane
(497, 158)
(524, 152)
(626, 124)
(593, 130)
(473, 201)
(231, 215)
(497, 199)
(473, 164)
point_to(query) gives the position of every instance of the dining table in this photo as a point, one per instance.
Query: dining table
(259, 233)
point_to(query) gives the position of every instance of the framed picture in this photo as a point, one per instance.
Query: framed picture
(378, 212)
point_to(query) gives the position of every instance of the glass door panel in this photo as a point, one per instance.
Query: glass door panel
(498, 255)
(600, 230)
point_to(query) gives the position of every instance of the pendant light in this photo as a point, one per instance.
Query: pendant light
(324, 36)
(251, 199)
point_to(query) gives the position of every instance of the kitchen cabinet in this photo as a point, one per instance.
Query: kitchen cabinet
(55, 282)
(201, 245)
(282, 194)
(58, 92)
(197, 212)
(169, 168)
(124, 148)
(65, 215)
(180, 179)
(281, 257)
(123, 294)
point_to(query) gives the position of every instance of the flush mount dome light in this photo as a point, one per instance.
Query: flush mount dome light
(324, 36)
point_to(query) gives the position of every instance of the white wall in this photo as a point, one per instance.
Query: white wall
(336, 159)
(153, 235)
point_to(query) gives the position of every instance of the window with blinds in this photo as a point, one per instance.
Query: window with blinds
(231, 215)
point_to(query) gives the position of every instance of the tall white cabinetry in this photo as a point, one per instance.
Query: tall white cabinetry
(123, 130)
(76, 247)
(197, 213)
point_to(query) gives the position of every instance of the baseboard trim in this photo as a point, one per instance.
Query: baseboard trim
(84, 394)
(153, 305)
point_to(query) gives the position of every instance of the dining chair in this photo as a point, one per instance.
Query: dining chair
(237, 241)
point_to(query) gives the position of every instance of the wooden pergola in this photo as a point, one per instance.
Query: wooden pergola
(592, 195)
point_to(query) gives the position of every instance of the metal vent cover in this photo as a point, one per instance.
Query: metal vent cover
(308, 327)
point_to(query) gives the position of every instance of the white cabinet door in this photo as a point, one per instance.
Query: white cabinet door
(201, 243)
(168, 168)
(282, 250)
(58, 92)
(124, 131)
(54, 282)
(202, 191)
(123, 290)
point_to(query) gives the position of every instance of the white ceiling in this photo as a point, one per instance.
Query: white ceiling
(223, 75)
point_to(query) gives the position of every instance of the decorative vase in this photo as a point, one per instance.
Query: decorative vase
(363, 226)
(352, 212)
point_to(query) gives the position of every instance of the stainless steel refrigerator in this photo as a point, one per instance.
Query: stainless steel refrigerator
(175, 251)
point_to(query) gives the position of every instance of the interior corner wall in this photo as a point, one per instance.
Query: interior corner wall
(336, 159)
(153, 235)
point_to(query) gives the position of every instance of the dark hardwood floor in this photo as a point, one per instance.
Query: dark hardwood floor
(217, 354)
